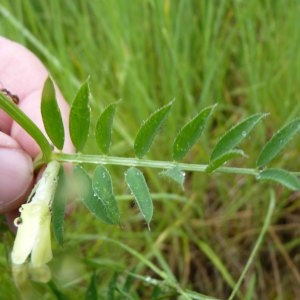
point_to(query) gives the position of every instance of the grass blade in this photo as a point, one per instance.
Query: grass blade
(137, 254)
(251, 288)
(283, 177)
(197, 296)
(216, 261)
(79, 122)
(259, 241)
(51, 115)
(104, 128)
(190, 133)
(86, 194)
(138, 186)
(59, 207)
(235, 135)
(278, 142)
(102, 186)
(149, 129)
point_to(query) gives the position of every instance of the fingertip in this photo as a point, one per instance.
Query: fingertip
(16, 175)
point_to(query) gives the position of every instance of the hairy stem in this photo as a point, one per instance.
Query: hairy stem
(135, 162)
(23, 120)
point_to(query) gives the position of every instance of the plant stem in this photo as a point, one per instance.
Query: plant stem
(135, 162)
(24, 121)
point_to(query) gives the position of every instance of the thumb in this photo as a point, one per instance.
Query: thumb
(16, 174)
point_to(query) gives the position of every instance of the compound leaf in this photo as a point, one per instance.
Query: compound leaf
(104, 128)
(277, 142)
(51, 115)
(149, 129)
(235, 135)
(283, 177)
(102, 186)
(79, 122)
(138, 187)
(190, 133)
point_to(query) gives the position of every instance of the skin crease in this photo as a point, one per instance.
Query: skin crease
(22, 74)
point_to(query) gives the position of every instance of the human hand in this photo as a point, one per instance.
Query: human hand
(22, 77)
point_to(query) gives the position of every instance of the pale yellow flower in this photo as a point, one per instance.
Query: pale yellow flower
(33, 236)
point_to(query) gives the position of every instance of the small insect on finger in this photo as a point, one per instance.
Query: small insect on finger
(8, 94)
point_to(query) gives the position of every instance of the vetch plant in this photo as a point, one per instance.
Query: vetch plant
(47, 202)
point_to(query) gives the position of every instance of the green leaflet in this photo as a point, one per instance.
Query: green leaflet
(102, 186)
(220, 160)
(283, 177)
(104, 128)
(149, 129)
(59, 206)
(51, 115)
(138, 186)
(190, 133)
(278, 142)
(83, 184)
(235, 135)
(175, 174)
(79, 122)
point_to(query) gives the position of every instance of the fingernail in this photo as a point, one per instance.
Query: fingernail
(16, 175)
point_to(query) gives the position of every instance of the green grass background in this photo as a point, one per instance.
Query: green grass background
(243, 55)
